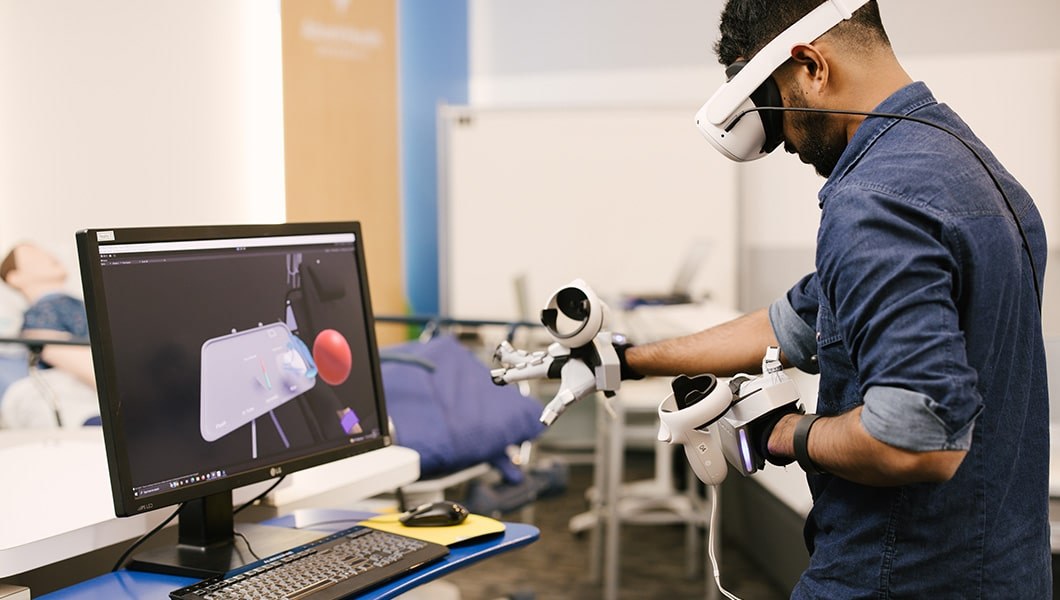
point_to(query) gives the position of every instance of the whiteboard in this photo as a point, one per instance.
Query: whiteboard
(615, 196)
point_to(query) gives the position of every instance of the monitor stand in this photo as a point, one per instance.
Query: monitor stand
(207, 545)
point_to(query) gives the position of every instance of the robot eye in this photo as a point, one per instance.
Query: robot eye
(573, 303)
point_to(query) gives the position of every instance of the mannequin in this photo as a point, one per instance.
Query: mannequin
(52, 314)
(65, 377)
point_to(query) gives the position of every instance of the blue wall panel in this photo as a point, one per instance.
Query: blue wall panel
(432, 69)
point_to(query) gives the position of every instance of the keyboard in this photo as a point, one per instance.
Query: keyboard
(336, 566)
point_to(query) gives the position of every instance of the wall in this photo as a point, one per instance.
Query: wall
(432, 70)
(340, 119)
(125, 112)
(592, 44)
(592, 52)
(522, 187)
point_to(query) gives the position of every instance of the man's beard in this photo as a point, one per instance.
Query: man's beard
(814, 148)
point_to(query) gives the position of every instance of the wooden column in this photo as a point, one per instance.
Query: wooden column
(341, 129)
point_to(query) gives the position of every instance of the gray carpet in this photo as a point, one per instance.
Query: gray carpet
(556, 566)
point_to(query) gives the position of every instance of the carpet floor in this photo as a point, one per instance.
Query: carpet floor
(652, 557)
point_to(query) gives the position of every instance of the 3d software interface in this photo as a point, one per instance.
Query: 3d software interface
(233, 357)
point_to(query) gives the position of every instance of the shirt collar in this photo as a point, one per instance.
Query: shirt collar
(903, 102)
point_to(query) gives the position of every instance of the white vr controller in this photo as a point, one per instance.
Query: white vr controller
(715, 422)
(695, 427)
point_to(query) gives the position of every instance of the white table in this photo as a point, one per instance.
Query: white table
(57, 504)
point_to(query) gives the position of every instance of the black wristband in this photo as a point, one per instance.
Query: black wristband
(801, 441)
(625, 372)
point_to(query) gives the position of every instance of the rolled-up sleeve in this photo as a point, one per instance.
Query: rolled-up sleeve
(792, 317)
(909, 420)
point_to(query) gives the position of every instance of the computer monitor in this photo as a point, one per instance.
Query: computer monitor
(226, 356)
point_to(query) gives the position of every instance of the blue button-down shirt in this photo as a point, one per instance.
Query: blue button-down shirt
(923, 309)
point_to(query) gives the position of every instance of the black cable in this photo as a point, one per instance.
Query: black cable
(956, 136)
(249, 547)
(259, 496)
(144, 538)
(43, 387)
(248, 503)
(37, 344)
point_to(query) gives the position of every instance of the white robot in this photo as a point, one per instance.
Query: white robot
(582, 356)
(714, 422)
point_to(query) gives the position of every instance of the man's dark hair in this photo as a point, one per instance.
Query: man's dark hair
(748, 25)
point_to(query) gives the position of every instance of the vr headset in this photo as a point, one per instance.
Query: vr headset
(745, 136)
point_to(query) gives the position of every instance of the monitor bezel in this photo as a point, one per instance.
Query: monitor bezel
(89, 242)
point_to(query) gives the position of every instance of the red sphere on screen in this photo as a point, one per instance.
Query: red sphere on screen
(332, 354)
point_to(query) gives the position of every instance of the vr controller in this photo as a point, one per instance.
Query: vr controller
(716, 423)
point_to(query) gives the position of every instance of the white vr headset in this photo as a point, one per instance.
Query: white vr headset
(744, 136)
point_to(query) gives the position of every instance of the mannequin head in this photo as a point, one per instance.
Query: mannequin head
(32, 271)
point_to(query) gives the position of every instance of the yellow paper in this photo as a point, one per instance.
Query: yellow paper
(473, 526)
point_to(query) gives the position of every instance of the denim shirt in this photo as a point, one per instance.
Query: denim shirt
(923, 310)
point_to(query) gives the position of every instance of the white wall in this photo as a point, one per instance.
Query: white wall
(636, 185)
(137, 112)
(998, 67)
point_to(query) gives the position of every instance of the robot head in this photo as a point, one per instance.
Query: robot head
(574, 314)
(744, 136)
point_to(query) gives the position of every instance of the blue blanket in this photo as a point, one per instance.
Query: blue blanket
(445, 406)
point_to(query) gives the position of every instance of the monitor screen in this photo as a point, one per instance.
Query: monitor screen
(226, 356)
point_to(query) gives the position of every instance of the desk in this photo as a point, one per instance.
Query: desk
(59, 485)
(136, 585)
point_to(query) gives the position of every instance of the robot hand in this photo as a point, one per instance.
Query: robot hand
(520, 365)
(713, 421)
(582, 356)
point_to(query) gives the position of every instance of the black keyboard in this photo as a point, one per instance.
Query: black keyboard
(332, 567)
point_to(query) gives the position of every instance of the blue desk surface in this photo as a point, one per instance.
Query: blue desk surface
(136, 584)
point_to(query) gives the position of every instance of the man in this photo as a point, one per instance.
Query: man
(928, 464)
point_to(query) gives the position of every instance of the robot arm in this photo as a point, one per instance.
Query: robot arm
(581, 356)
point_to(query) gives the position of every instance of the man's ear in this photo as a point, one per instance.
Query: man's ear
(811, 67)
